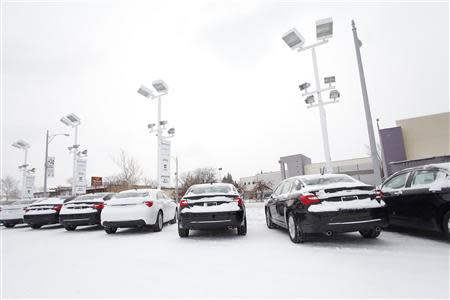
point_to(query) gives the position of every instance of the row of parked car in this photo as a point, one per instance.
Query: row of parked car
(331, 203)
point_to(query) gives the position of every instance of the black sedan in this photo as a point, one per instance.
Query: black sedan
(83, 210)
(211, 206)
(420, 198)
(326, 204)
(45, 211)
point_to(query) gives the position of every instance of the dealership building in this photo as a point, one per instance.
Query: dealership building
(412, 142)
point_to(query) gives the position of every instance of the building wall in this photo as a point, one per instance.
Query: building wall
(426, 136)
(359, 168)
(391, 140)
(293, 165)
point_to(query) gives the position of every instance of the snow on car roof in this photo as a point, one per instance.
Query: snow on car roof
(49, 201)
(216, 188)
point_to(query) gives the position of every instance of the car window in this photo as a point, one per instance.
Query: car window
(160, 196)
(397, 182)
(276, 192)
(424, 177)
(286, 188)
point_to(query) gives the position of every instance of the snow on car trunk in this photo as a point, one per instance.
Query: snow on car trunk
(339, 192)
(211, 204)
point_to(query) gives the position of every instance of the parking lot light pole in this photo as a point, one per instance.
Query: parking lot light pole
(73, 121)
(22, 145)
(324, 30)
(49, 138)
(161, 87)
(373, 147)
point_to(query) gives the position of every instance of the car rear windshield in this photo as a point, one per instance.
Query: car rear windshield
(131, 195)
(211, 189)
(327, 180)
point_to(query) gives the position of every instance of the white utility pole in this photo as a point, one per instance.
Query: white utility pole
(373, 146)
(323, 116)
(75, 154)
(159, 140)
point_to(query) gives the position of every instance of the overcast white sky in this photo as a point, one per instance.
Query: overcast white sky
(234, 97)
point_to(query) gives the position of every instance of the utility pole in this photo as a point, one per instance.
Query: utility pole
(176, 177)
(373, 147)
(46, 165)
(158, 150)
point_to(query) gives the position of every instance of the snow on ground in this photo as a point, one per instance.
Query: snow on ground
(54, 263)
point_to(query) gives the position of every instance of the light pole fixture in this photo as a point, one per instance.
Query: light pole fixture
(22, 145)
(324, 31)
(161, 89)
(48, 139)
(73, 121)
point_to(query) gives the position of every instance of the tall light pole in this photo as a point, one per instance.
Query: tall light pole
(373, 146)
(71, 120)
(22, 145)
(161, 87)
(176, 176)
(48, 139)
(324, 30)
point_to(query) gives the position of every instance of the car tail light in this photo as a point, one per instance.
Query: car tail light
(183, 203)
(57, 207)
(239, 201)
(148, 203)
(379, 195)
(309, 199)
(99, 206)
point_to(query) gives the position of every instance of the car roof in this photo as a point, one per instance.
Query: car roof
(140, 191)
(445, 166)
(318, 176)
(212, 183)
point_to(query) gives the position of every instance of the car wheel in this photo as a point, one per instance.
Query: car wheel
(242, 230)
(36, 226)
(296, 235)
(110, 230)
(269, 222)
(370, 233)
(182, 232)
(174, 220)
(9, 225)
(70, 227)
(159, 222)
(446, 225)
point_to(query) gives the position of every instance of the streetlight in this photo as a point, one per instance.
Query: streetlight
(72, 120)
(22, 145)
(176, 176)
(49, 138)
(324, 31)
(373, 147)
(162, 89)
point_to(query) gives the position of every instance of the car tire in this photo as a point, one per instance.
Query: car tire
(70, 227)
(159, 222)
(370, 233)
(174, 220)
(446, 225)
(36, 226)
(110, 230)
(295, 233)
(242, 230)
(269, 222)
(9, 225)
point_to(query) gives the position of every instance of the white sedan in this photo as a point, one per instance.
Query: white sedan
(138, 208)
(12, 214)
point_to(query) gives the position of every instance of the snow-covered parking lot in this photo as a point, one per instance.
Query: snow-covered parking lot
(87, 263)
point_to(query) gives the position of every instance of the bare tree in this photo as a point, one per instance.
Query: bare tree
(10, 187)
(130, 171)
(261, 187)
(200, 175)
(150, 183)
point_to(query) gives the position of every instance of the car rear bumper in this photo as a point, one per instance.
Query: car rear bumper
(124, 224)
(80, 219)
(11, 221)
(211, 220)
(41, 219)
(344, 220)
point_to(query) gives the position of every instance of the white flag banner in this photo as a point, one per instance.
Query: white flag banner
(164, 164)
(80, 180)
(51, 166)
(29, 186)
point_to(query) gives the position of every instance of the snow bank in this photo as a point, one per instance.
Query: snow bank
(342, 205)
